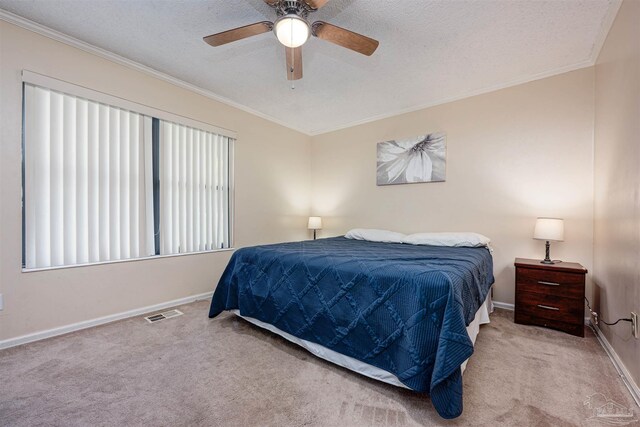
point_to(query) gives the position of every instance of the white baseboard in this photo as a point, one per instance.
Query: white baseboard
(24, 339)
(503, 305)
(626, 377)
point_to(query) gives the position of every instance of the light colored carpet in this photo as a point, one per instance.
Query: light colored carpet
(195, 371)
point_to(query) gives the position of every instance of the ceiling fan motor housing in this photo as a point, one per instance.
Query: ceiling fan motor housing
(293, 7)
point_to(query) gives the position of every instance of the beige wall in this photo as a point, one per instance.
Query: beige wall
(512, 155)
(617, 182)
(272, 176)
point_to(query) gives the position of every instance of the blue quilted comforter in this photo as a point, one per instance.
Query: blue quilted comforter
(401, 308)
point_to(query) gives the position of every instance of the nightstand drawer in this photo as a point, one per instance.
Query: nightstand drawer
(558, 283)
(550, 307)
(571, 328)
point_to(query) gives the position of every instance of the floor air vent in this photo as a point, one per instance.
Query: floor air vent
(164, 315)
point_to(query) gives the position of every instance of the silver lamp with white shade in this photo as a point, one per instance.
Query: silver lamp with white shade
(315, 223)
(549, 229)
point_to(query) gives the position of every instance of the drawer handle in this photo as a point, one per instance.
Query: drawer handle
(547, 307)
(548, 283)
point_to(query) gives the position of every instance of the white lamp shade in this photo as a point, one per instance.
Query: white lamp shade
(315, 223)
(549, 229)
(292, 31)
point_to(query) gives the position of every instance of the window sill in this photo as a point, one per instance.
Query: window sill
(148, 258)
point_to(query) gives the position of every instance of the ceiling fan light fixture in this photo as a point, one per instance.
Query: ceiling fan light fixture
(292, 30)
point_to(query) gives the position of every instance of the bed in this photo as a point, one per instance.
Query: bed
(404, 314)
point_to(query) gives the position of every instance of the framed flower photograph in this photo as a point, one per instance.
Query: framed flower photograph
(412, 160)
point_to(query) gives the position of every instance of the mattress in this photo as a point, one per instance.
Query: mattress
(481, 318)
(401, 308)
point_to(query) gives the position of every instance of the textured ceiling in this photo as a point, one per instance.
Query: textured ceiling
(430, 51)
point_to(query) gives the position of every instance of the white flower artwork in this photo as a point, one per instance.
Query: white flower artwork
(409, 160)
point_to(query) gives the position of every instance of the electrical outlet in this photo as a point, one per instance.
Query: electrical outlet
(634, 324)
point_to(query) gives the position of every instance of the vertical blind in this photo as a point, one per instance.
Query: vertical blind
(89, 183)
(87, 167)
(194, 189)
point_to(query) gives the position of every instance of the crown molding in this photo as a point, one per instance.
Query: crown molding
(103, 53)
(606, 25)
(512, 83)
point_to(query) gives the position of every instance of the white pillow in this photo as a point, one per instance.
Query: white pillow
(447, 239)
(373, 235)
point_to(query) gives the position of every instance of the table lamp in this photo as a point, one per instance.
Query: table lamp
(549, 229)
(315, 223)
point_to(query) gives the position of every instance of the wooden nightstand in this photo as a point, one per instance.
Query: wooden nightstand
(550, 295)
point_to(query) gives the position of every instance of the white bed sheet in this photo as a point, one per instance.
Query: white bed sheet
(481, 317)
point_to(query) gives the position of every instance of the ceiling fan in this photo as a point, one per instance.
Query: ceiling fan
(292, 29)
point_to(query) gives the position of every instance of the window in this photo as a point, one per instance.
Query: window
(194, 189)
(105, 179)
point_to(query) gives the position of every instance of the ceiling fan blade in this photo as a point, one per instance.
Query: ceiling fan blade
(315, 4)
(239, 33)
(294, 63)
(271, 3)
(344, 38)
